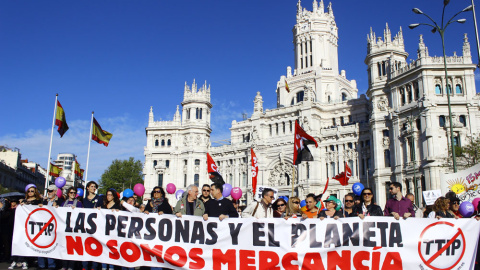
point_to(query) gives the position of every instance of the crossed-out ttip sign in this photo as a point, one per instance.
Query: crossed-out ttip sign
(441, 253)
(41, 228)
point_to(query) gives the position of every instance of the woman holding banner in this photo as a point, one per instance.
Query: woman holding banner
(367, 206)
(110, 201)
(91, 200)
(72, 202)
(293, 209)
(158, 204)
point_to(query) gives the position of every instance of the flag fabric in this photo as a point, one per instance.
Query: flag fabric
(82, 171)
(212, 170)
(254, 171)
(344, 176)
(99, 135)
(60, 120)
(54, 170)
(300, 150)
(286, 87)
(77, 168)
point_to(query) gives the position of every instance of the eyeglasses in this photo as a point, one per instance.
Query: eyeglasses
(206, 190)
(367, 194)
(157, 191)
(272, 197)
(455, 203)
(390, 188)
(49, 190)
(31, 191)
(280, 205)
(349, 201)
(296, 202)
(73, 192)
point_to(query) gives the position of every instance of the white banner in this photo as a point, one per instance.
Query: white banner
(132, 239)
(464, 183)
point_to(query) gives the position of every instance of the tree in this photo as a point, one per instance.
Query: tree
(4, 190)
(466, 156)
(121, 174)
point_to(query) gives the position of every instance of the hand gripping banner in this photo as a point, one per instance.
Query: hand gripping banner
(135, 239)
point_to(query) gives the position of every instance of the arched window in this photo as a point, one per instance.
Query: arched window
(169, 142)
(329, 99)
(197, 162)
(463, 120)
(458, 89)
(196, 180)
(156, 142)
(344, 97)
(154, 163)
(449, 89)
(441, 121)
(163, 142)
(438, 89)
(300, 96)
(167, 163)
(293, 101)
(379, 67)
(417, 90)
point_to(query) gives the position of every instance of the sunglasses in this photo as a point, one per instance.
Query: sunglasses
(296, 202)
(280, 205)
(348, 200)
(390, 188)
(206, 190)
(272, 197)
(49, 190)
(31, 191)
(157, 191)
(367, 194)
(72, 192)
(455, 203)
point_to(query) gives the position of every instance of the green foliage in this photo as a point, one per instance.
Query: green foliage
(466, 156)
(121, 174)
(4, 190)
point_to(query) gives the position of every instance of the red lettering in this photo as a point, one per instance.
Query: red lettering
(182, 260)
(135, 251)
(358, 259)
(375, 260)
(392, 261)
(268, 260)
(219, 258)
(334, 259)
(98, 247)
(312, 261)
(74, 244)
(148, 252)
(247, 257)
(287, 261)
(198, 262)
(112, 244)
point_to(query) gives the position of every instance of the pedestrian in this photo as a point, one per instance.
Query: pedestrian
(279, 208)
(219, 206)
(73, 202)
(205, 197)
(311, 211)
(349, 202)
(190, 204)
(262, 209)
(331, 211)
(293, 209)
(440, 209)
(158, 204)
(454, 205)
(50, 200)
(367, 206)
(110, 201)
(398, 206)
(418, 211)
(5, 238)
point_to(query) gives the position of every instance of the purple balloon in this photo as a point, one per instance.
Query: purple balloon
(466, 209)
(60, 182)
(227, 188)
(139, 189)
(29, 186)
(236, 193)
(179, 194)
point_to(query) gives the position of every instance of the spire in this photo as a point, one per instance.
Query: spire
(315, 6)
(258, 104)
(299, 7)
(387, 35)
(150, 115)
(186, 89)
(321, 7)
(194, 86)
(330, 10)
(466, 46)
(176, 117)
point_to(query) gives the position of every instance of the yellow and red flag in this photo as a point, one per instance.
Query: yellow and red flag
(286, 87)
(77, 168)
(60, 120)
(99, 135)
(54, 170)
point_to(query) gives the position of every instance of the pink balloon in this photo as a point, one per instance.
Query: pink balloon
(475, 202)
(59, 192)
(236, 193)
(171, 188)
(139, 189)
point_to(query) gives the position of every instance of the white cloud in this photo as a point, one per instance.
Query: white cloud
(223, 113)
(128, 141)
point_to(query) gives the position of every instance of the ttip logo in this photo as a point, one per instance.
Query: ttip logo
(41, 228)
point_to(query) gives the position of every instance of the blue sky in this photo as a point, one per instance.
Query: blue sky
(119, 57)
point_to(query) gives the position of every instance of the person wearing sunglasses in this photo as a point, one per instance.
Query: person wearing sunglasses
(294, 209)
(454, 206)
(398, 206)
(279, 208)
(51, 199)
(205, 197)
(158, 203)
(330, 211)
(262, 209)
(349, 202)
(32, 196)
(367, 205)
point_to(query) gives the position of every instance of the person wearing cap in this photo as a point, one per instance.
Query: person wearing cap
(311, 210)
(330, 212)
(454, 203)
(51, 198)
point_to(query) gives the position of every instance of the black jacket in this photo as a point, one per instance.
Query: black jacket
(372, 210)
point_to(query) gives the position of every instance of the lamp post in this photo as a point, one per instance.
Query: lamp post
(441, 30)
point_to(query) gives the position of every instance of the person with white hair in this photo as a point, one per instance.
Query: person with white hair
(190, 204)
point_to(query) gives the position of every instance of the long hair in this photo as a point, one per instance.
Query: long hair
(36, 194)
(114, 194)
(88, 185)
(68, 192)
(161, 191)
(275, 204)
(440, 205)
(361, 196)
(291, 208)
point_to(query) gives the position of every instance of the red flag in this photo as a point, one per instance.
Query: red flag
(213, 170)
(300, 141)
(254, 171)
(344, 176)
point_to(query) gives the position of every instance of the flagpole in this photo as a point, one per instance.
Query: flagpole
(344, 191)
(50, 149)
(293, 180)
(88, 156)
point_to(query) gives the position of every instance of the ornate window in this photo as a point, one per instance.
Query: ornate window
(197, 162)
(156, 142)
(300, 96)
(196, 179)
(438, 89)
(169, 142)
(458, 89)
(463, 120)
(344, 97)
(163, 142)
(386, 157)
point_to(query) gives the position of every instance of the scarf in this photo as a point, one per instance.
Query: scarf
(365, 210)
(156, 204)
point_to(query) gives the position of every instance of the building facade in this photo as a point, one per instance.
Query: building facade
(372, 135)
(66, 162)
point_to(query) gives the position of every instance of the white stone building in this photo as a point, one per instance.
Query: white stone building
(371, 135)
(66, 161)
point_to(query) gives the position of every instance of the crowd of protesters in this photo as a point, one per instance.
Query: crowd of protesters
(212, 203)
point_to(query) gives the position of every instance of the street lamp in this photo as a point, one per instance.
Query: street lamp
(441, 30)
